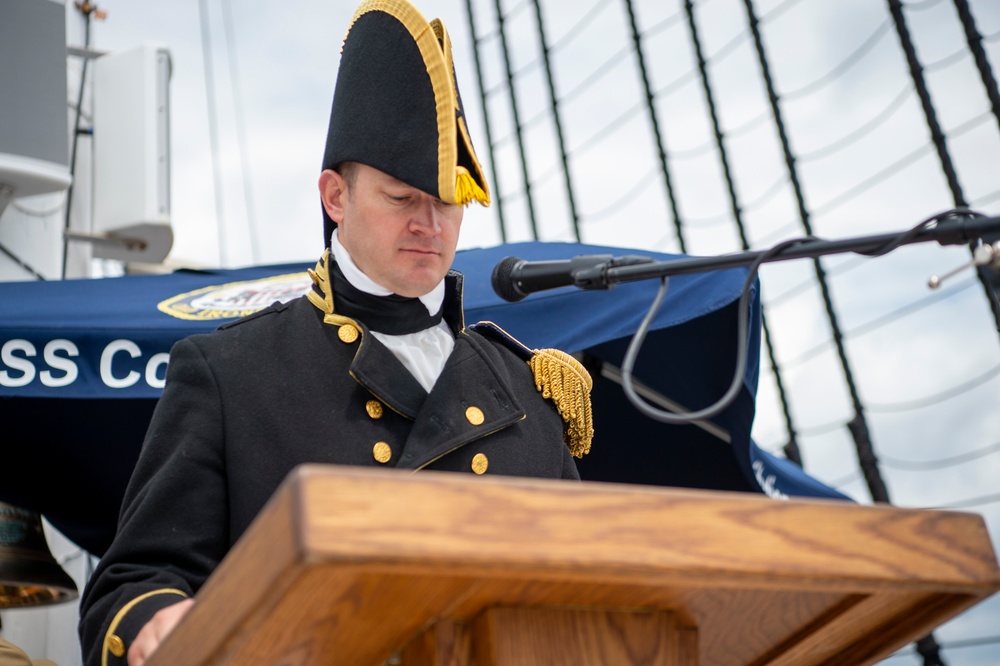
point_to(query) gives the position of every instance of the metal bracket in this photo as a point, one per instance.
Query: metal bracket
(135, 244)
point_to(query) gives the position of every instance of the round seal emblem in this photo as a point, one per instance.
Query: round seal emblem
(235, 299)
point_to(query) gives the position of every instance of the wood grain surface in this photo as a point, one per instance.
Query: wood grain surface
(353, 566)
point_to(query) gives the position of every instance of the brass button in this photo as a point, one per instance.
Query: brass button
(479, 463)
(116, 646)
(475, 415)
(382, 452)
(374, 409)
(347, 333)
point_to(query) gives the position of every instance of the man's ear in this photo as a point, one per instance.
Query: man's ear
(333, 192)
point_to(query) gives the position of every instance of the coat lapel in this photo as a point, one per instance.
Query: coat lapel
(469, 401)
(378, 370)
(448, 417)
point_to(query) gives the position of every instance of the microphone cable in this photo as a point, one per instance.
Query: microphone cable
(743, 307)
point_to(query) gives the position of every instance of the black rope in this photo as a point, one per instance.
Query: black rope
(791, 448)
(661, 149)
(76, 138)
(606, 67)
(857, 426)
(930, 650)
(916, 73)
(863, 446)
(556, 120)
(716, 128)
(17, 260)
(486, 121)
(738, 219)
(951, 645)
(975, 40)
(517, 121)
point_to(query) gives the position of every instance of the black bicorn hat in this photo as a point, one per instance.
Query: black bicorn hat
(396, 106)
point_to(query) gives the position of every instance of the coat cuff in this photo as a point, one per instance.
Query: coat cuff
(131, 619)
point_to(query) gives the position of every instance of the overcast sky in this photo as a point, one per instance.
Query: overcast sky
(839, 69)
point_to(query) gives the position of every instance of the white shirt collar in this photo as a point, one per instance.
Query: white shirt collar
(432, 300)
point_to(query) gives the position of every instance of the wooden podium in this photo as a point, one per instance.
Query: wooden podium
(364, 567)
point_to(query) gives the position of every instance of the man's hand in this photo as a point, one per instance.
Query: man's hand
(154, 631)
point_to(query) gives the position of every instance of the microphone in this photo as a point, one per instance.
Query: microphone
(514, 278)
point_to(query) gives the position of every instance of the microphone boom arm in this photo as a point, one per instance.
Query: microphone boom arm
(953, 229)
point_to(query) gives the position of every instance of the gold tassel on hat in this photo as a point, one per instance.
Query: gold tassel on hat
(562, 379)
(467, 189)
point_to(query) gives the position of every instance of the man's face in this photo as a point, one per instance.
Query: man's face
(401, 237)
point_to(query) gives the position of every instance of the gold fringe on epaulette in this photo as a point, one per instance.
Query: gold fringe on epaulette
(564, 380)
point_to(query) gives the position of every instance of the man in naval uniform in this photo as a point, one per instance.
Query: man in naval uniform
(375, 366)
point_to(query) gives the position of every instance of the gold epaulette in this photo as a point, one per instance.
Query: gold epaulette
(562, 379)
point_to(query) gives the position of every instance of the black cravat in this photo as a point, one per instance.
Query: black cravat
(392, 315)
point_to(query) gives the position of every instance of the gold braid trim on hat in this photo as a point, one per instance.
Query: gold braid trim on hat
(562, 379)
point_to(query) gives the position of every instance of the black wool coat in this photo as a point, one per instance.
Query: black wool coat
(245, 404)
